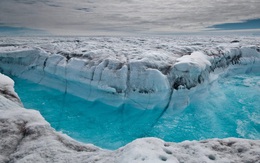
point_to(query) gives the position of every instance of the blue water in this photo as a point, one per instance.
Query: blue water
(229, 107)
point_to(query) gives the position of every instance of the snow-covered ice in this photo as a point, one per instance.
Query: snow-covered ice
(7, 89)
(115, 71)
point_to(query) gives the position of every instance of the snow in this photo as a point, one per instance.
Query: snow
(215, 150)
(192, 67)
(195, 62)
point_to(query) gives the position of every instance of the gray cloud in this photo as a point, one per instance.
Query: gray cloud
(125, 16)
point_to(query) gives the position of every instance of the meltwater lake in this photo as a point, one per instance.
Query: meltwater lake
(227, 107)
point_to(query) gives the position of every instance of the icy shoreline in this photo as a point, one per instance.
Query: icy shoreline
(27, 137)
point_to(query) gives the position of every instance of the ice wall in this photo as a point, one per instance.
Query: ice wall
(145, 78)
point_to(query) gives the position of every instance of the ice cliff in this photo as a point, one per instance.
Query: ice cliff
(146, 72)
(27, 138)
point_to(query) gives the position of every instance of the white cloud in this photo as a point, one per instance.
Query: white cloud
(124, 16)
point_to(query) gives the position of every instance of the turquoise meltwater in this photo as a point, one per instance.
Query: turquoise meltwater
(228, 107)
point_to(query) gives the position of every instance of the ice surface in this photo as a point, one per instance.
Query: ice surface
(143, 72)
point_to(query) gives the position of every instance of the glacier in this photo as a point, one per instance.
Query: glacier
(27, 138)
(147, 73)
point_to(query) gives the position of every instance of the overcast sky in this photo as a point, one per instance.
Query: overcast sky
(98, 17)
